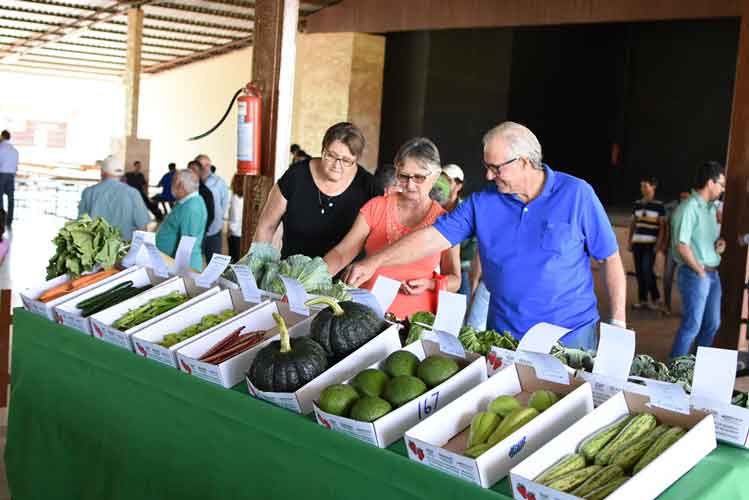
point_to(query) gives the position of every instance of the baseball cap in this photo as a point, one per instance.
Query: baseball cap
(112, 166)
(453, 171)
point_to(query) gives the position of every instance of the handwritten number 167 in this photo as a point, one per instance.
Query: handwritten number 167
(428, 405)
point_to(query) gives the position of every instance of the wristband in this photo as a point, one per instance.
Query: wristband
(617, 322)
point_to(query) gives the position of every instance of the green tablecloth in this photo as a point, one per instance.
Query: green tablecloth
(91, 421)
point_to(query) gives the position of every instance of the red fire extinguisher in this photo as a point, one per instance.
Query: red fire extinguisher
(248, 129)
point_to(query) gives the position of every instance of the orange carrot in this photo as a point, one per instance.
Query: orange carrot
(73, 285)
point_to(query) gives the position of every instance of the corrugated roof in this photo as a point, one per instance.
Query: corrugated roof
(91, 36)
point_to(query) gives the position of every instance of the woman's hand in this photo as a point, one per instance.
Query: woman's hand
(417, 287)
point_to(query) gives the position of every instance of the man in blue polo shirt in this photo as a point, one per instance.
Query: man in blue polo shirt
(537, 230)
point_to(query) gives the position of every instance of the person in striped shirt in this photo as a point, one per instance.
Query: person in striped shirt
(646, 236)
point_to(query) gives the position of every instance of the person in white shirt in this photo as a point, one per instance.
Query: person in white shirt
(8, 168)
(236, 206)
(220, 192)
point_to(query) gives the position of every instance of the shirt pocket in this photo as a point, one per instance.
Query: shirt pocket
(558, 237)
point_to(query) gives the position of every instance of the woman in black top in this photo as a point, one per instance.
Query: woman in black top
(318, 199)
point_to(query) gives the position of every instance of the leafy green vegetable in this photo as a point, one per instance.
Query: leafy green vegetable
(681, 370)
(82, 245)
(337, 290)
(150, 310)
(259, 256)
(482, 342)
(647, 367)
(420, 322)
(577, 359)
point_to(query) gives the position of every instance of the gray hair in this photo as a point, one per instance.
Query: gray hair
(187, 179)
(520, 140)
(422, 151)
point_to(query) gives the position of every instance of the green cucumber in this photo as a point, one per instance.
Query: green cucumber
(627, 457)
(92, 301)
(570, 481)
(638, 426)
(606, 490)
(661, 444)
(599, 479)
(564, 465)
(593, 444)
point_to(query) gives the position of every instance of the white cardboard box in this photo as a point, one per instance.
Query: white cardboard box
(101, 322)
(386, 430)
(232, 371)
(30, 297)
(301, 401)
(146, 341)
(651, 480)
(439, 441)
(68, 314)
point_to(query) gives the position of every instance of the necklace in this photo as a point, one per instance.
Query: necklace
(328, 202)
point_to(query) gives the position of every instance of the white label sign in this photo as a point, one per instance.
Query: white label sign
(139, 237)
(451, 310)
(213, 270)
(449, 343)
(666, 395)
(385, 289)
(296, 295)
(714, 375)
(616, 350)
(542, 337)
(547, 367)
(247, 283)
(157, 261)
(182, 257)
(366, 298)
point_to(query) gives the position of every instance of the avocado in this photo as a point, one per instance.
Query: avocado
(504, 405)
(369, 409)
(403, 389)
(370, 382)
(401, 363)
(338, 399)
(436, 369)
(542, 400)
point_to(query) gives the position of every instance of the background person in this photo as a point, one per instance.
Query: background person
(188, 218)
(8, 169)
(204, 192)
(220, 192)
(646, 235)
(698, 248)
(318, 200)
(236, 207)
(537, 230)
(166, 196)
(386, 219)
(114, 201)
(455, 177)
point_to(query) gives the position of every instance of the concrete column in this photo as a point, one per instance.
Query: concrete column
(132, 70)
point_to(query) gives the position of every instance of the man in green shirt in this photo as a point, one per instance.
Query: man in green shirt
(697, 248)
(187, 218)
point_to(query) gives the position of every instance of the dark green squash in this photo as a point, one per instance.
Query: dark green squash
(343, 327)
(287, 364)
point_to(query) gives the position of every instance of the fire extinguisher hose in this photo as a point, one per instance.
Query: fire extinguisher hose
(231, 103)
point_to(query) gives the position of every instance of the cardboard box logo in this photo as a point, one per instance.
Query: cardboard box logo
(416, 450)
(97, 330)
(185, 367)
(515, 448)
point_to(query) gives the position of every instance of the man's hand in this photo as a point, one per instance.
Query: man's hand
(360, 272)
(417, 287)
(720, 246)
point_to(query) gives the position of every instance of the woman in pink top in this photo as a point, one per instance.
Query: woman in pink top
(385, 219)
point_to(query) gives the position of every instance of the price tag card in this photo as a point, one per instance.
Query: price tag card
(139, 238)
(385, 289)
(247, 283)
(616, 349)
(451, 310)
(157, 261)
(449, 343)
(296, 295)
(213, 270)
(367, 298)
(182, 257)
(666, 395)
(714, 375)
(547, 367)
(541, 338)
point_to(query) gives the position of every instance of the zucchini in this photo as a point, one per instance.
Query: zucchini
(511, 423)
(627, 457)
(661, 444)
(570, 481)
(606, 490)
(92, 301)
(599, 479)
(565, 465)
(638, 426)
(593, 444)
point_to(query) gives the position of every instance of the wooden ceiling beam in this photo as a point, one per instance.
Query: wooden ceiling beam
(203, 54)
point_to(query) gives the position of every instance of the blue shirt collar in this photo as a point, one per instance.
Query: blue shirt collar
(545, 191)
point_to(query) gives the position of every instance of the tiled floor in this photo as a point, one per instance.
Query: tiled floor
(33, 237)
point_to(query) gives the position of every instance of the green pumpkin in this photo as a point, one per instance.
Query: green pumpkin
(343, 327)
(287, 364)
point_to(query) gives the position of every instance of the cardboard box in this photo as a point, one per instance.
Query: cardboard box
(30, 297)
(101, 322)
(146, 341)
(651, 480)
(68, 314)
(388, 429)
(301, 401)
(439, 441)
(232, 371)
